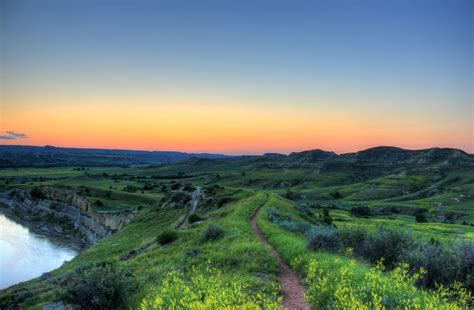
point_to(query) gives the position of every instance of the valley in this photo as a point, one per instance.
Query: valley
(331, 219)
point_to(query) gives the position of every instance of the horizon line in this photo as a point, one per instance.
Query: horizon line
(235, 154)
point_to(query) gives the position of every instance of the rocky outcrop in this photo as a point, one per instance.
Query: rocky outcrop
(311, 156)
(394, 155)
(63, 213)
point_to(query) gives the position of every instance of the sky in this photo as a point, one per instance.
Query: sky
(237, 77)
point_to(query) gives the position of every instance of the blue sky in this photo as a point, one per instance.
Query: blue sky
(406, 62)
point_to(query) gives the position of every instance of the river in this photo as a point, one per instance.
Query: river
(25, 255)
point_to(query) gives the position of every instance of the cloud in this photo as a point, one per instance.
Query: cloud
(10, 135)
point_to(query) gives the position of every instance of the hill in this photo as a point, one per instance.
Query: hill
(50, 156)
(380, 222)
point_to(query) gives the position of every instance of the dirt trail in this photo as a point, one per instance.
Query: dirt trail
(195, 197)
(293, 291)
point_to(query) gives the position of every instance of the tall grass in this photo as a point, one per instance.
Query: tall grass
(340, 289)
(336, 280)
(207, 290)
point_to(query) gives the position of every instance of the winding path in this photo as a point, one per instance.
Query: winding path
(194, 203)
(293, 291)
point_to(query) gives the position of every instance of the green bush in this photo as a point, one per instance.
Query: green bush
(194, 218)
(167, 236)
(443, 264)
(339, 288)
(354, 238)
(287, 221)
(420, 217)
(99, 286)
(389, 244)
(213, 232)
(303, 208)
(176, 186)
(323, 237)
(326, 217)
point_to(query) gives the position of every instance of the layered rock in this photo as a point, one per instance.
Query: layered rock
(64, 213)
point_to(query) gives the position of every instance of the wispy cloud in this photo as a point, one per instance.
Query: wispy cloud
(11, 135)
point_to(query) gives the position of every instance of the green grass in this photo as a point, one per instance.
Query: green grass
(248, 185)
(333, 272)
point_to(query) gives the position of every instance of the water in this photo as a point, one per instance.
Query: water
(25, 255)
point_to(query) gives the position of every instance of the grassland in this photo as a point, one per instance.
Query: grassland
(234, 191)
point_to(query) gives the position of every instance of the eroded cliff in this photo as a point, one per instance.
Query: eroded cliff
(62, 213)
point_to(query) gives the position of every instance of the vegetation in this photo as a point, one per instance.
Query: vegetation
(206, 290)
(167, 236)
(99, 286)
(339, 289)
(213, 232)
(373, 234)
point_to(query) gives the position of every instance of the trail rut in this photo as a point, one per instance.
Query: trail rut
(293, 291)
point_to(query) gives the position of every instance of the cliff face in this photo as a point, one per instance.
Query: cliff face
(63, 213)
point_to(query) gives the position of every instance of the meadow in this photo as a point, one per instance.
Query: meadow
(169, 258)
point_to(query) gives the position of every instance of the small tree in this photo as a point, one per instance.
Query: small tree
(167, 236)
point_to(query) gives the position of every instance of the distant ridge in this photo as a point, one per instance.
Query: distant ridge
(379, 154)
(24, 156)
(51, 156)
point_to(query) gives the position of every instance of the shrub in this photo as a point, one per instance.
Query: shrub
(440, 264)
(175, 186)
(361, 211)
(388, 243)
(37, 193)
(148, 186)
(353, 238)
(336, 195)
(326, 217)
(167, 236)
(130, 188)
(213, 232)
(290, 195)
(323, 238)
(188, 187)
(179, 198)
(222, 201)
(450, 217)
(465, 263)
(99, 203)
(99, 286)
(420, 217)
(194, 218)
(305, 209)
(288, 222)
(341, 289)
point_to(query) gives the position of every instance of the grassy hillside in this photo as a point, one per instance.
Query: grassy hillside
(432, 200)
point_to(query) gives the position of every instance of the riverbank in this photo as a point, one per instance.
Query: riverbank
(62, 215)
(26, 255)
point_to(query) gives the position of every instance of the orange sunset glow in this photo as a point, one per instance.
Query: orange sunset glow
(163, 85)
